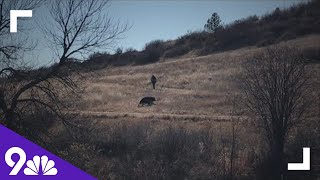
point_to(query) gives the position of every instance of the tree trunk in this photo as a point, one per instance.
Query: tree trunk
(277, 159)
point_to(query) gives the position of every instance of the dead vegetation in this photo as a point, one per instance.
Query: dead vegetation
(192, 132)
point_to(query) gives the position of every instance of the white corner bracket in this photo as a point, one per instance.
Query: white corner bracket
(14, 14)
(305, 165)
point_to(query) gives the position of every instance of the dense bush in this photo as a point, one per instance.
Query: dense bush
(176, 51)
(153, 51)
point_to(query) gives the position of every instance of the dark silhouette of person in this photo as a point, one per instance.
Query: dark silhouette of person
(153, 81)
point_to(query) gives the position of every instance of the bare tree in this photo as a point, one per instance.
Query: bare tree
(276, 87)
(77, 27)
(81, 26)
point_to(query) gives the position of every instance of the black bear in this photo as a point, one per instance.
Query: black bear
(147, 101)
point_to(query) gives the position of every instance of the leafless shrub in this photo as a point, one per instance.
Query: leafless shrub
(276, 88)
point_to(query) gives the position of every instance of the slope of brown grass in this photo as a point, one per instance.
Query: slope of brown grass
(198, 86)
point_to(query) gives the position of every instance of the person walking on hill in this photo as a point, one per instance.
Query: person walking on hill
(153, 81)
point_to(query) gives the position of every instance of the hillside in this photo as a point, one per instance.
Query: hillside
(195, 86)
(278, 26)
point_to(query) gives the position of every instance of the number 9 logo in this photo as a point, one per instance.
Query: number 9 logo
(15, 165)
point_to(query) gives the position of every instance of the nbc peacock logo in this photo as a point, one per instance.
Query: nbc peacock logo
(22, 159)
(47, 167)
(36, 166)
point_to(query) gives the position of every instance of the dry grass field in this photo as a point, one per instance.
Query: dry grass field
(187, 133)
(189, 87)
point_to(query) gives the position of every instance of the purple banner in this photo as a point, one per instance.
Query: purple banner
(22, 159)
